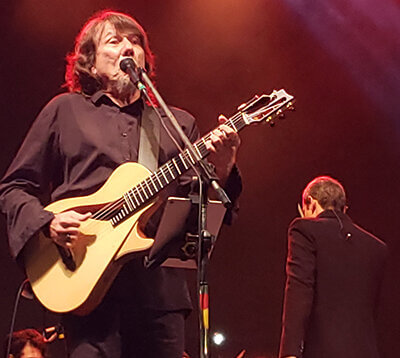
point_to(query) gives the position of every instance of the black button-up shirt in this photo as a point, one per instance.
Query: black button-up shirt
(71, 149)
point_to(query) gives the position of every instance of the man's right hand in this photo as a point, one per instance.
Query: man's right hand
(64, 228)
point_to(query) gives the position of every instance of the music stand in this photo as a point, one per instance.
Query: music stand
(173, 246)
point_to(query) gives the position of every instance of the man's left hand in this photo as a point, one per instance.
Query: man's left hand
(223, 144)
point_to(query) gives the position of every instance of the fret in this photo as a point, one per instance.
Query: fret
(124, 208)
(233, 125)
(154, 184)
(148, 186)
(128, 202)
(198, 151)
(204, 151)
(176, 166)
(165, 177)
(190, 157)
(170, 170)
(136, 197)
(132, 194)
(144, 191)
(183, 161)
(158, 178)
(203, 148)
(240, 123)
(140, 195)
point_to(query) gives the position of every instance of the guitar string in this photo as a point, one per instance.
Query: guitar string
(236, 122)
(117, 205)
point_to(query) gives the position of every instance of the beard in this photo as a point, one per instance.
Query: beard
(122, 88)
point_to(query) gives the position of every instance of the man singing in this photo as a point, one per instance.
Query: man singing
(334, 270)
(76, 142)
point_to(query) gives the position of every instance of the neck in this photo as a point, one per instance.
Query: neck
(122, 94)
(123, 101)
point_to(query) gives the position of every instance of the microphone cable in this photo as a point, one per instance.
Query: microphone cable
(14, 315)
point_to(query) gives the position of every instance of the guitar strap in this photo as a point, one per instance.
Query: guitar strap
(149, 142)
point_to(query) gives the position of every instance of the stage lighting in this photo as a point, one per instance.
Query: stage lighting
(218, 338)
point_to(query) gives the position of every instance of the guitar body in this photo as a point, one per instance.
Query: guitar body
(98, 253)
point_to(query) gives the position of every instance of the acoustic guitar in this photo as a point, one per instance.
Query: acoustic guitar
(76, 279)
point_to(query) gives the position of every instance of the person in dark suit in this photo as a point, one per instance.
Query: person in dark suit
(334, 270)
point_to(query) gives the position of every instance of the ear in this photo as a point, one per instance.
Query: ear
(308, 202)
(313, 206)
(93, 70)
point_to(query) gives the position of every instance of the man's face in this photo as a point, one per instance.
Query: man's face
(111, 49)
(31, 352)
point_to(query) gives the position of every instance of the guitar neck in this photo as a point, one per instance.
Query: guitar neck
(259, 108)
(178, 165)
(148, 189)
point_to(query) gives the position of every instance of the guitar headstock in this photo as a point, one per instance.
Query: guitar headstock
(266, 107)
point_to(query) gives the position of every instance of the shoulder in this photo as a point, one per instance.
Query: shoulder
(65, 99)
(304, 223)
(301, 229)
(309, 229)
(378, 243)
(183, 116)
(187, 122)
(61, 101)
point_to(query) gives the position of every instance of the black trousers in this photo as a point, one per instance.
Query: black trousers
(142, 334)
(133, 320)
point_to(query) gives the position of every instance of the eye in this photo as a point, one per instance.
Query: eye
(135, 40)
(113, 40)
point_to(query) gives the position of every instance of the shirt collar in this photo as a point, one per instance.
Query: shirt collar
(95, 98)
(133, 108)
(333, 214)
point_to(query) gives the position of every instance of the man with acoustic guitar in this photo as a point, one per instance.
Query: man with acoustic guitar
(80, 141)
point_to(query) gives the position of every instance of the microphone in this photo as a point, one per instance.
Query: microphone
(129, 66)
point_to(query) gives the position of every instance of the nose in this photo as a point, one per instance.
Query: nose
(127, 50)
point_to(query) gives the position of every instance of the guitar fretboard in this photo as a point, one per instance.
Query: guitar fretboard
(259, 108)
(147, 189)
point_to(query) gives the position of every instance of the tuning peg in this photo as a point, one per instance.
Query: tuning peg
(290, 106)
(280, 114)
(271, 123)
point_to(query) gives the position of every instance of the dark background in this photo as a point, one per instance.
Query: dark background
(341, 59)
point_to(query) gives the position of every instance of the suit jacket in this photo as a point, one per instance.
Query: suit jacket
(334, 269)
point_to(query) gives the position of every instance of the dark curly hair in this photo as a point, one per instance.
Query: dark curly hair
(327, 191)
(78, 75)
(27, 336)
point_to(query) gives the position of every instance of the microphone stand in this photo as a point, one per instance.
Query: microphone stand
(206, 177)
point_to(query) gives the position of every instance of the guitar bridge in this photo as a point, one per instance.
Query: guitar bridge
(67, 258)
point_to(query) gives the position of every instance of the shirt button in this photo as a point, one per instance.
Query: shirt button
(124, 134)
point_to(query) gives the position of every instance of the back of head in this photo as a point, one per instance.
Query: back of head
(27, 336)
(329, 193)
